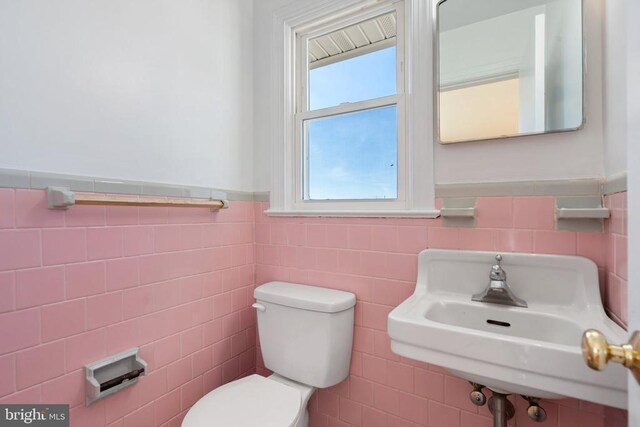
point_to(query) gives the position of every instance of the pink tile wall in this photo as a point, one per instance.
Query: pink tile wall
(615, 294)
(376, 259)
(79, 285)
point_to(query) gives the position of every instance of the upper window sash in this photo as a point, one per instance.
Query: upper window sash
(303, 36)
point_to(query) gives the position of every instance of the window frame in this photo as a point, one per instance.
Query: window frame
(303, 113)
(293, 26)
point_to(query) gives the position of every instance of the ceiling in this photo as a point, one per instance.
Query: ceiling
(358, 39)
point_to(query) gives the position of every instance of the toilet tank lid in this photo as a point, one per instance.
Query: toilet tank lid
(305, 297)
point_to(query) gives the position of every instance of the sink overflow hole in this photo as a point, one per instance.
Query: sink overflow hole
(498, 323)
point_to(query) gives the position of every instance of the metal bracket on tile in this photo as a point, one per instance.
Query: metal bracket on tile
(588, 207)
(60, 198)
(584, 213)
(458, 208)
(459, 212)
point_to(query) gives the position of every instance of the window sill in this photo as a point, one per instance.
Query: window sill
(355, 214)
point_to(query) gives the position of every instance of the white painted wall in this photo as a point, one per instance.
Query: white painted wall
(263, 45)
(546, 157)
(481, 50)
(616, 79)
(154, 90)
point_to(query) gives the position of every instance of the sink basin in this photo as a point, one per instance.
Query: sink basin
(533, 351)
(547, 327)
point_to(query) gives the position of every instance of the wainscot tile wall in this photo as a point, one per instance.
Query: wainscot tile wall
(376, 259)
(79, 285)
(615, 294)
(82, 284)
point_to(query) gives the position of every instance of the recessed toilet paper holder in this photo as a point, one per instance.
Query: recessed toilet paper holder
(111, 374)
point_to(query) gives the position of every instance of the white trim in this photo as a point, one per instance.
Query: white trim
(476, 80)
(473, 76)
(351, 107)
(633, 154)
(370, 213)
(418, 129)
(566, 187)
(419, 93)
(615, 183)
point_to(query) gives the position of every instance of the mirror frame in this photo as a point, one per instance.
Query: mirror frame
(436, 82)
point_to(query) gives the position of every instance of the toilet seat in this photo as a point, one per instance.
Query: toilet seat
(253, 401)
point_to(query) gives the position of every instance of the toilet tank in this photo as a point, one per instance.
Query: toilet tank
(306, 332)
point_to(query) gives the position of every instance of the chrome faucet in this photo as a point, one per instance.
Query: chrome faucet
(498, 292)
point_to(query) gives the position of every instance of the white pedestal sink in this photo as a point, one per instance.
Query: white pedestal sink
(533, 351)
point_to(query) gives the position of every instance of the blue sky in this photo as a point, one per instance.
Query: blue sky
(353, 156)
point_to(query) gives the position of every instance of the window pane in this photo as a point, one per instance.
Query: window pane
(353, 64)
(357, 79)
(353, 156)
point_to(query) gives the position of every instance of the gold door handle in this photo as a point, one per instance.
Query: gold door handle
(597, 352)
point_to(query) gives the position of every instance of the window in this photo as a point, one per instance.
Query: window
(349, 113)
(348, 145)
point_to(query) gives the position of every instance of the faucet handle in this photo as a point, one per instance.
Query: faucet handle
(497, 273)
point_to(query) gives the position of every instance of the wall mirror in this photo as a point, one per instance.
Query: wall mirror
(508, 68)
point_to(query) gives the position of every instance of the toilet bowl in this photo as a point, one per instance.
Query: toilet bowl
(306, 336)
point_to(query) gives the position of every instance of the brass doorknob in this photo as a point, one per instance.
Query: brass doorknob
(597, 352)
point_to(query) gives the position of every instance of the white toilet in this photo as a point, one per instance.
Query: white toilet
(306, 334)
